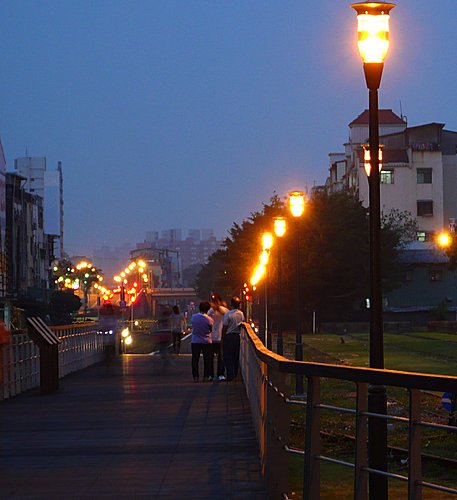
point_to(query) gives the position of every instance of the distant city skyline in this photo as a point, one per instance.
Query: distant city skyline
(192, 114)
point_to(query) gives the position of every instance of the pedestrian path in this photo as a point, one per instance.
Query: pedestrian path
(138, 428)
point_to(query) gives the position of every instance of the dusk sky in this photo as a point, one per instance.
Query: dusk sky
(191, 113)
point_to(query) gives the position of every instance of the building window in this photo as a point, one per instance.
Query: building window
(387, 176)
(424, 236)
(424, 175)
(436, 275)
(425, 208)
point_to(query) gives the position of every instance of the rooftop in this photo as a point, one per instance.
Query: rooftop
(386, 117)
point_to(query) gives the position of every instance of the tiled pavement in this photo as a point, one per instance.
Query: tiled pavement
(138, 428)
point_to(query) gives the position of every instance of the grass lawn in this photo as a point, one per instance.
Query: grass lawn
(420, 352)
(337, 483)
(425, 352)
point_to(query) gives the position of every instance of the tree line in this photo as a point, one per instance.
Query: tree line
(333, 257)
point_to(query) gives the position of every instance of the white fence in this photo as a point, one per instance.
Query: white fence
(80, 347)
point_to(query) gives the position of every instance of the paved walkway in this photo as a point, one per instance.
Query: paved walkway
(138, 428)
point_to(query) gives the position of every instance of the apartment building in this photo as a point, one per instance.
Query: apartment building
(48, 184)
(419, 170)
(27, 245)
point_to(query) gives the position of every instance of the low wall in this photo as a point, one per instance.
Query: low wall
(442, 326)
(80, 346)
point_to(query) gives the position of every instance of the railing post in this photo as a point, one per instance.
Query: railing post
(277, 425)
(415, 449)
(311, 480)
(361, 450)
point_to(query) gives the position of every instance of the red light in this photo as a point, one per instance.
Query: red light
(135, 284)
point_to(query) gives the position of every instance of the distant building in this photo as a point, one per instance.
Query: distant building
(32, 169)
(419, 176)
(152, 236)
(54, 209)
(195, 249)
(171, 235)
(3, 256)
(48, 184)
(194, 234)
(111, 260)
(207, 234)
(28, 255)
(428, 287)
(419, 170)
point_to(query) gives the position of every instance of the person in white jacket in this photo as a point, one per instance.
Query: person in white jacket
(217, 312)
(231, 338)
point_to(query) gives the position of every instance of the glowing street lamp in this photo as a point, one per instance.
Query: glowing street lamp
(367, 159)
(280, 228)
(373, 43)
(444, 239)
(267, 241)
(264, 257)
(258, 274)
(373, 30)
(297, 203)
(297, 208)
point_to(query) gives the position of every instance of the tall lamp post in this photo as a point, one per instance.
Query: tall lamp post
(446, 241)
(267, 243)
(297, 207)
(280, 227)
(373, 43)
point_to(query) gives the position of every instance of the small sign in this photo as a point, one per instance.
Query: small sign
(122, 303)
(449, 401)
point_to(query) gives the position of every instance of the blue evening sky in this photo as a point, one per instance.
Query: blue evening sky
(191, 113)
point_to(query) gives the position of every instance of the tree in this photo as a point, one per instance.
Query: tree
(228, 268)
(334, 254)
(189, 275)
(63, 272)
(83, 276)
(62, 305)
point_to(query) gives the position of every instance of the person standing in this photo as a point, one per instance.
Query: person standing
(202, 326)
(231, 338)
(108, 326)
(217, 312)
(178, 327)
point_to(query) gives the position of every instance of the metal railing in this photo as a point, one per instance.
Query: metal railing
(264, 374)
(80, 347)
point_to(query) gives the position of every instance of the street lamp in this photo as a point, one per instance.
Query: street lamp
(373, 43)
(297, 207)
(444, 239)
(280, 227)
(267, 243)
